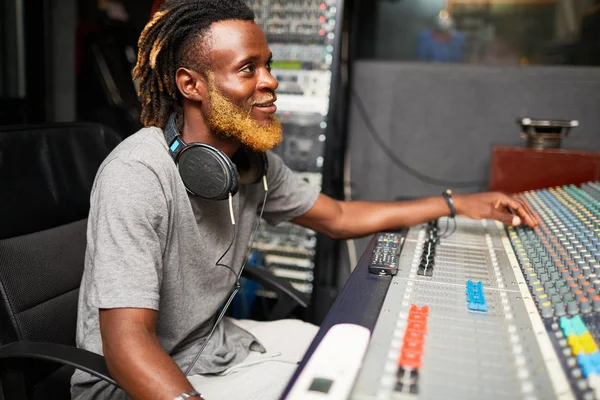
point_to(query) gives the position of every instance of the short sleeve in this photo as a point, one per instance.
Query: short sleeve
(126, 237)
(289, 195)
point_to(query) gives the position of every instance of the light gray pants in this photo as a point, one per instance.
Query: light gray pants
(261, 376)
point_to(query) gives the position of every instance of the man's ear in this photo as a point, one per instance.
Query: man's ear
(191, 84)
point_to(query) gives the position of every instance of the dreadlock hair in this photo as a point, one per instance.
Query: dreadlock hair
(176, 37)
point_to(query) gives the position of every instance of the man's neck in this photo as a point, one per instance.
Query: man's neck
(195, 129)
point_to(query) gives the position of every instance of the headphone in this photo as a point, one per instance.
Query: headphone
(209, 173)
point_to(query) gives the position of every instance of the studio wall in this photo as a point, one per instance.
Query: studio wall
(443, 120)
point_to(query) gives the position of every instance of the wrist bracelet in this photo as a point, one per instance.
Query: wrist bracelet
(187, 395)
(448, 197)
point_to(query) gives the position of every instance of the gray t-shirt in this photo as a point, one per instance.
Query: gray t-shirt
(152, 245)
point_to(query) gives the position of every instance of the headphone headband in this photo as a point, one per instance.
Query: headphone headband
(172, 136)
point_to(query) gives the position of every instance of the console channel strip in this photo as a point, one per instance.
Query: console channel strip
(304, 37)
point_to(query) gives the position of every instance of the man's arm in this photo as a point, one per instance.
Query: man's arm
(135, 358)
(341, 219)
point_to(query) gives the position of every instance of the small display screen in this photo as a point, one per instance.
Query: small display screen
(286, 65)
(320, 385)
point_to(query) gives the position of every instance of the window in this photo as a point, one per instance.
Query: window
(490, 32)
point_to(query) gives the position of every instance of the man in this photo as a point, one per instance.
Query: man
(442, 43)
(158, 267)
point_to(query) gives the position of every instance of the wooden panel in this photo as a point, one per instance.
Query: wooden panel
(516, 169)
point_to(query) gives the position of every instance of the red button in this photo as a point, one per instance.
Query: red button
(417, 327)
(417, 317)
(413, 335)
(411, 344)
(409, 359)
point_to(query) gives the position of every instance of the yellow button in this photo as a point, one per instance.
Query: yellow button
(589, 344)
(577, 349)
(590, 348)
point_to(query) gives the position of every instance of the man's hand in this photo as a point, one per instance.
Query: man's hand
(496, 206)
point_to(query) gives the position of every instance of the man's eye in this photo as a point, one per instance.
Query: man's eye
(269, 66)
(248, 68)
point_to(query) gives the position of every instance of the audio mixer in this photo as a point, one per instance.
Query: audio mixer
(487, 312)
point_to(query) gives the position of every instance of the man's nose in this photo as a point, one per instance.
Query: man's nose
(267, 82)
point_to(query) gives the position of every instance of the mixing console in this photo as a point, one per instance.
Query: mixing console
(491, 311)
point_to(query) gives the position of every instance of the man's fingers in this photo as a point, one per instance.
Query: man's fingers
(523, 210)
(506, 217)
(504, 208)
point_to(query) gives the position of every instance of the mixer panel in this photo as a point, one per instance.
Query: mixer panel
(475, 309)
(467, 350)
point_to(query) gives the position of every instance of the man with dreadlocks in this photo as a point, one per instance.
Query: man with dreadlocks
(154, 280)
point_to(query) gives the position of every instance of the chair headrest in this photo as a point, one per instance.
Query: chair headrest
(47, 173)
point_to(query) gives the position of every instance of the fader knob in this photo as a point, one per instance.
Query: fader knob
(585, 305)
(547, 310)
(556, 298)
(596, 303)
(559, 308)
(572, 307)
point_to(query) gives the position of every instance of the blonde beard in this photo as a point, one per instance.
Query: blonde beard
(231, 122)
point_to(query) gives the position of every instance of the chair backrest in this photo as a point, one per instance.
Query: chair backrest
(46, 175)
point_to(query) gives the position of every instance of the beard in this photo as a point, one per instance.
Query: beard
(229, 121)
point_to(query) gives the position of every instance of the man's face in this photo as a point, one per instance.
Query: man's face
(241, 87)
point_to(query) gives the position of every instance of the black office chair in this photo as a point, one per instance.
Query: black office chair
(46, 175)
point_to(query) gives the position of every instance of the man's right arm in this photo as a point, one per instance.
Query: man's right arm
(135, 357)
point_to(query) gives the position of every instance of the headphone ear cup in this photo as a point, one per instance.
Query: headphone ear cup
(251, 165)
(207, 172)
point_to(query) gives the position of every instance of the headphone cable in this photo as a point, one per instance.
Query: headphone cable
(398, 162)
(238, 285)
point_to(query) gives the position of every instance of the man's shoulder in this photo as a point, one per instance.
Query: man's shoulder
(145, 142)
(147, 147)
(145, 153)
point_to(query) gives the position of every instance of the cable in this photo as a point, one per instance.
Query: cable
(238, 285)
(445, 234)
(401, 164)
